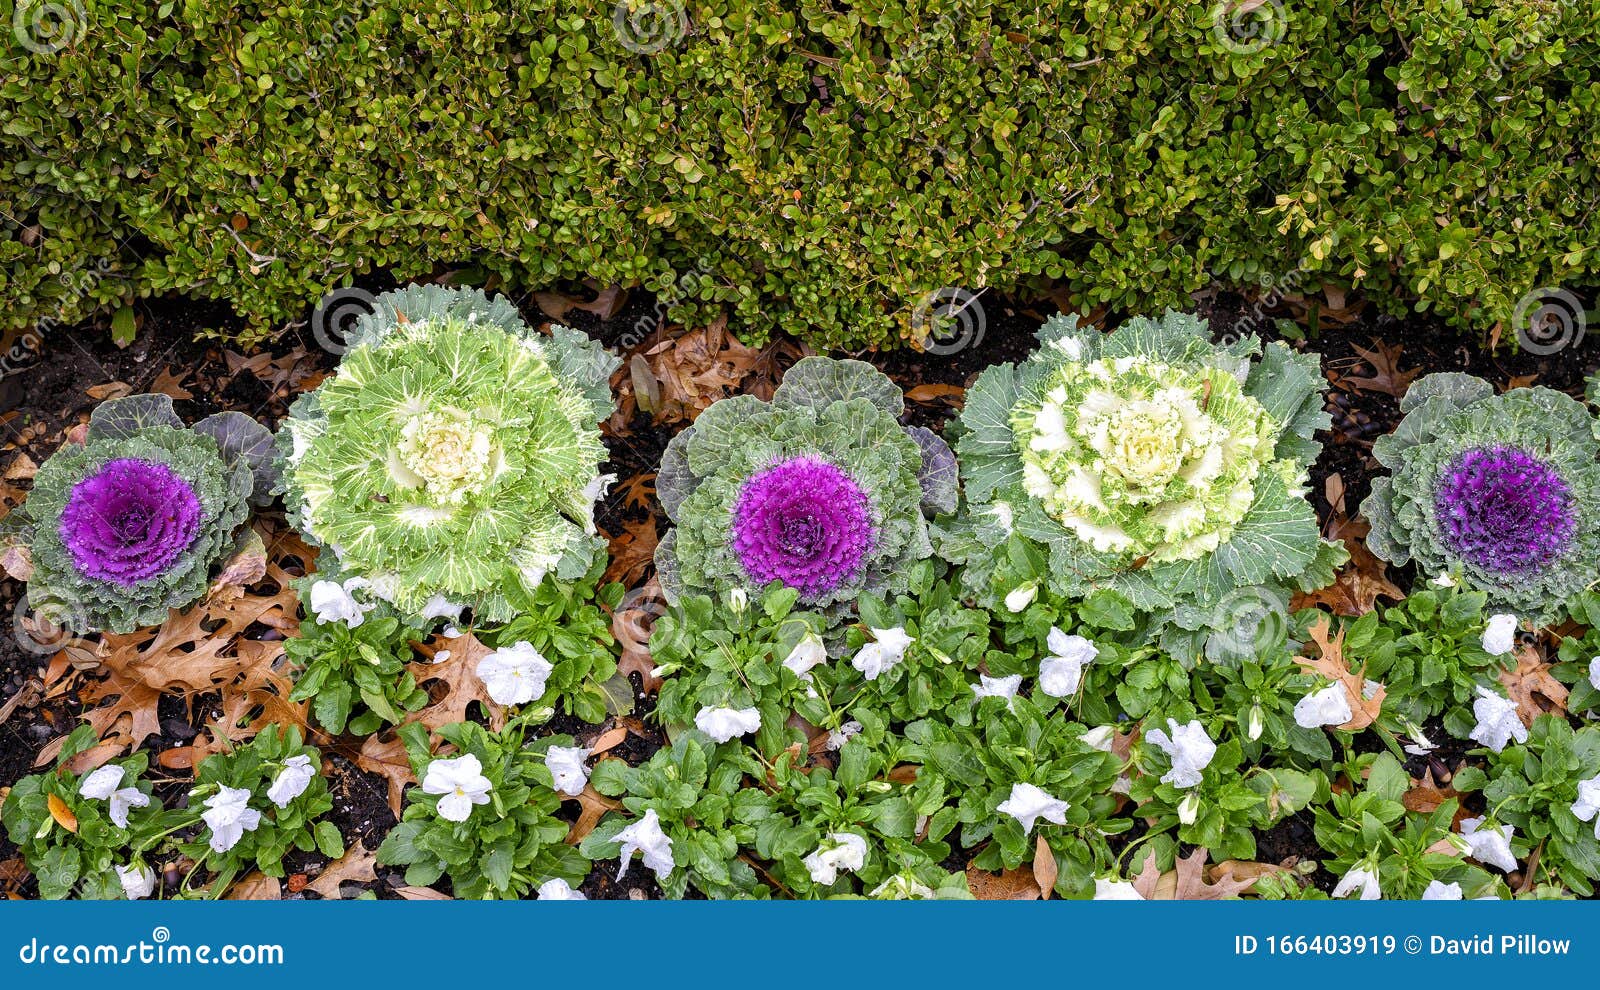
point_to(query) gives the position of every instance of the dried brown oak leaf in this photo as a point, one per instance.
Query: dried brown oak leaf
(1187, 880)
(453, 682)
(357, 865)
(1330, 664)
(1532, 687)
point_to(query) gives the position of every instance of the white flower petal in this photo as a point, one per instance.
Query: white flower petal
(723, 724)
(1028, 803)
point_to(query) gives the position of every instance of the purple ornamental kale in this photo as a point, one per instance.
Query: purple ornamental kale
(1504, 510)
(804, 522)
(129, 521)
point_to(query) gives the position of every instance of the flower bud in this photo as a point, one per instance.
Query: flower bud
(1189, 808)
(1255, 727)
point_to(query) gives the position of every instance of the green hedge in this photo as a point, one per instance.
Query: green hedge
(819, 169)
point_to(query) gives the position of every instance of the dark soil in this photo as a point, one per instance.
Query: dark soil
(39, 403)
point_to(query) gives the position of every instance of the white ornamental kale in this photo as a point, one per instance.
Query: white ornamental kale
(820, 489)
(1497, 492)
(454, 456)
(1148, 461)
(138, 518)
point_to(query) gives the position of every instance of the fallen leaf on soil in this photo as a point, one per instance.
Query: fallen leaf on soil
(1045, 869)
(953, 395)
(167, 383)
(1187, 880)
(631, 625)
(1236, 869)
(1387, 376)
(1330, 664)
(255, 887)
(1011, 885)
(62, 814)
(110, 390)
(606, 740)
(388, 760)
(421, 894)
(1360, 582)
(593, 807)
(355, 866)
(633, 552)
(1532, 688)
(458, 676)
(606, 304)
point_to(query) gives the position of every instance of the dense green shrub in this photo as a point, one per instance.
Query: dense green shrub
(811, 166)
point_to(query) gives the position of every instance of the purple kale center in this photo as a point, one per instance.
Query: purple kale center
(1505, 510)
(803, 522)
(129, 521)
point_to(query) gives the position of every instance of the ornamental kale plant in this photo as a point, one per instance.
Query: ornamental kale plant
(1498, 492)
(486, 814)
(820, 489)
(455, 453)
(1148, 461)
(134, 521)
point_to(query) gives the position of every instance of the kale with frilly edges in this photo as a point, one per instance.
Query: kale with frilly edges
(135, 521)
(454, 455)
(821, 490)
(1497, 492)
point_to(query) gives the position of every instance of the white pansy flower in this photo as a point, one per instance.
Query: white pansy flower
(1492, 845)
(559, 890)
(1444, 581)
(1115, 890)
(1061, 672)
(440, 607)
(839, 851)
(104, 784)
(516, 674)
(1498, 721)
(1100, 738)
(138, 881)
(567, 769)
(229, 817)
(1027, 804)
(807, 653)
(738, 600)
(1501, 634)
(1362, 879)
(335, 602)
(652, 844)
(460, 784)
(292, 780)
(843, 734)
(887, 649)
(1442, 892)
(1594, 673)
(1189, 749)
(902, 887)
(997, 687)
(1587, 807)
(1022, 596)
(1330, 706)
(723, 724)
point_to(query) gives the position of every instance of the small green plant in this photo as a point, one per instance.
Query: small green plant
(1548, 789)
(83, 834)
(485, 815)
(356, 677)
(256, 804)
